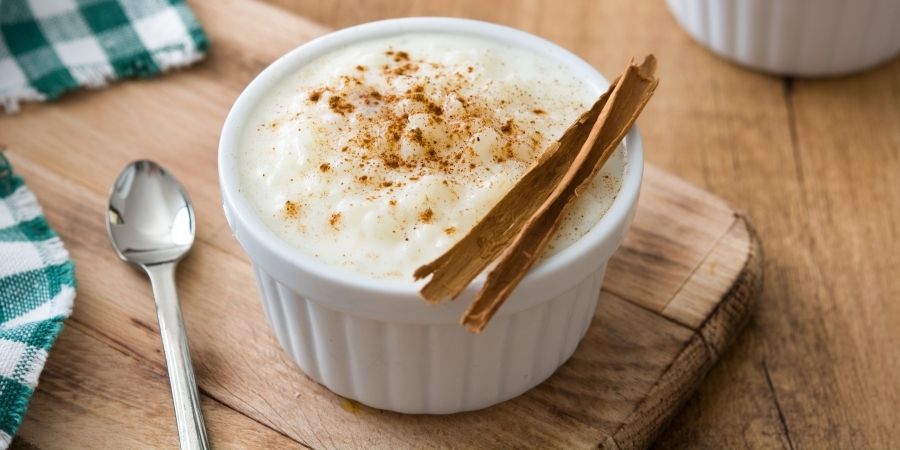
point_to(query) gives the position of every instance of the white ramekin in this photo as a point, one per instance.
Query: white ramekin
(377, 341)
(795, 37)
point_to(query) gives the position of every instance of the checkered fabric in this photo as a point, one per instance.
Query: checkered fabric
(37, 288)
(48, 47)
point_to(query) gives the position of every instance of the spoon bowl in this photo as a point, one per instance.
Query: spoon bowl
(150, 216)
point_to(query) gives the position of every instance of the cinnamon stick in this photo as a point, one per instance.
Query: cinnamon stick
(626, 102)
(459, 265)
(520, 226)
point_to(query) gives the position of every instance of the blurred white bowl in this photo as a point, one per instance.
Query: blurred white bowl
(795, 37)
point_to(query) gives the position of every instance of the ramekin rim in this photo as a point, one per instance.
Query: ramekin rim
(614, 218)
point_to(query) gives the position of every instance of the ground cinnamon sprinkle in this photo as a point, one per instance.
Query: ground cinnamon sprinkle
(405, 69)
(372, 97)
(392, 161)
(438, 123)
(335, 220)
(384, 124)
(435, 109)
(508, 152)
(291, 209)
(365, 141)
(350, 81)
(416, 136)
(339, 105)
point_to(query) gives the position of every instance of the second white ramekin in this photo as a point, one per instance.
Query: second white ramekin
(795, 37)
(377, 341)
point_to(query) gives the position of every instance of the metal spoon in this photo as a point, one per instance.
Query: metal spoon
(151, 224)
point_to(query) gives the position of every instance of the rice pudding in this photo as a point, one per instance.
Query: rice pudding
(379, 156)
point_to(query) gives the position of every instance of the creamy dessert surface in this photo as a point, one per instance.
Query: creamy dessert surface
(379, 156)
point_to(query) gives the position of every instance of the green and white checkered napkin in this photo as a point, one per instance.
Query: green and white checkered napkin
(37, 287)
(48, 47)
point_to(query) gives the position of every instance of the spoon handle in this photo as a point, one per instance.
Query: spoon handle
(189, 417)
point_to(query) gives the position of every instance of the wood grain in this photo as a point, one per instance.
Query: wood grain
(94, 396)
(814, 162)
(647, 351)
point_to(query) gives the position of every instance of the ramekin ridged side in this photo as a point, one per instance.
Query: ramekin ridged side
(428, 368)
(795, 37)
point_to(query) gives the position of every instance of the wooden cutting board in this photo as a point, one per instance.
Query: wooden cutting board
(675, 295)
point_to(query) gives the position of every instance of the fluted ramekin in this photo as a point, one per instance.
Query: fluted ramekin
(376, 340)
(795, 37)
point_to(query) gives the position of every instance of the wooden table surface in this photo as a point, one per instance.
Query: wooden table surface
(815, 163)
